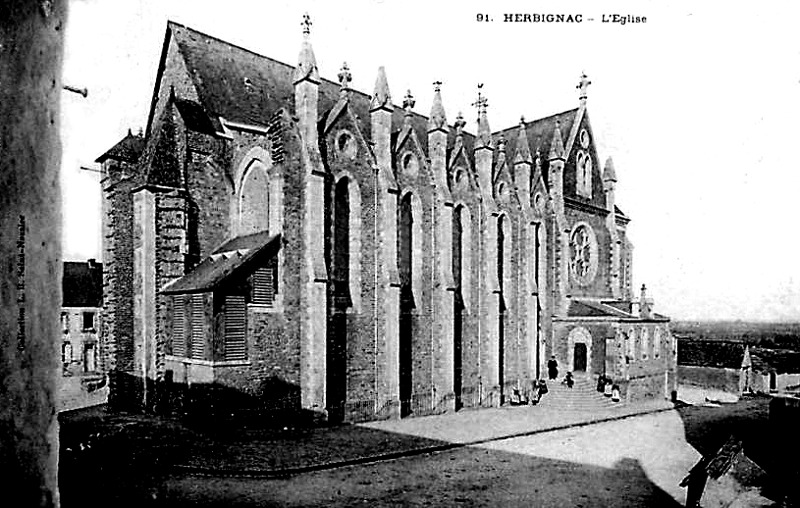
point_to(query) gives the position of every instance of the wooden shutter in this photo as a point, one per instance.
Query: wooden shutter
(235, 328)
(263, 290)
(198, 327)
(178, 326)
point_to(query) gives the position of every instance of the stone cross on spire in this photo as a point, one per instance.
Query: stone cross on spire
(344, 79)
(484, 139)
(306, 24)
(437, 86)
(583, 85)
(481, 103)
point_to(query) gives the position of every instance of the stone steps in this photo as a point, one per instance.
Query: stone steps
(583, 396)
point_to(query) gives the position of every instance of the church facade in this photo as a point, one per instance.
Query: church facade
(276, 240)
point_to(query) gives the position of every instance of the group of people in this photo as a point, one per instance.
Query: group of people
(552, 372)
(605, 384)
(607, 387)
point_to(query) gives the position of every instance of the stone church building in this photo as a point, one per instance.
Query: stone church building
(279, 241)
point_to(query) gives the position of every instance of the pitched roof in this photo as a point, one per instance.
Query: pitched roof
(540, 135)
(588, 308)
(780, 361)
(231, 258)
(240, 85)
(711, 353)
(128, 149)
(82, 284)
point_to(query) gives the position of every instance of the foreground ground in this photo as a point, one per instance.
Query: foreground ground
(636, 461)
(633, 462)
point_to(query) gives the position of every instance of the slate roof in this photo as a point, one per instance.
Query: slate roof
(719, 354)
(82, 284)
(540, 135)
(588, 308)
(780, 361)
(231, 258)
(128, 149)
(240, 85)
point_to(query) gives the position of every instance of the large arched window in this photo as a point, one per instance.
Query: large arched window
(462, 252)
(254, 199)
(583, 177)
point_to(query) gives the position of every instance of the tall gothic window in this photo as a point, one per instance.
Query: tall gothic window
(501, 244)
(254, 200)
(583, 177)
(341, 242)
(405, 249)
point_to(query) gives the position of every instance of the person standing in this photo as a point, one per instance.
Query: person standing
(601, 383)
(542, 387)
(552, 367)
(615, 393)
(568, 380)
(534, 398)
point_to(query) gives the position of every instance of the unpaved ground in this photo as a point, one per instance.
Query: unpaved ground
(633, 462)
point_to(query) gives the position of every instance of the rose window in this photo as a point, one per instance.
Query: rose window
(583, 254)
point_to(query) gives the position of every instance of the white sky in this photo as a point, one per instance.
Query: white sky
(697, 107)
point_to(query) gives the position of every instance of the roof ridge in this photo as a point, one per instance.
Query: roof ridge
(537, 120)
(364, 95)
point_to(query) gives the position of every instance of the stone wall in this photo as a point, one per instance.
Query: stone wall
(727, 380)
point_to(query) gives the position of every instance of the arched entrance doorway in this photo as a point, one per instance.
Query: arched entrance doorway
(579, 357)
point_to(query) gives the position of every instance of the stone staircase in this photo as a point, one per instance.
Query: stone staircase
(582, 397)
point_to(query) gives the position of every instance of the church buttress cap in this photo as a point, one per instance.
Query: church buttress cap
(438, 119)
(609, 175)
(306, 63)
(557, 144)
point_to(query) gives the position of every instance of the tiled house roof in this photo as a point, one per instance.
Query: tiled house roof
(711, 353)
(82, 284)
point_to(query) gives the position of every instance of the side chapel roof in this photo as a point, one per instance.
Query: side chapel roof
(228, 260)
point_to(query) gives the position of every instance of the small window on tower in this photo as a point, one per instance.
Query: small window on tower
(64, 322)
(410, 164)
(346, 145)
(88, 320)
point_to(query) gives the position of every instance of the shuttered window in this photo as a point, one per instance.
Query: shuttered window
(198, 327)
(236, 327)
(263, 288)
(178, 326)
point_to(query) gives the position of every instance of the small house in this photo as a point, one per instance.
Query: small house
(775, 370)
(718, 367)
